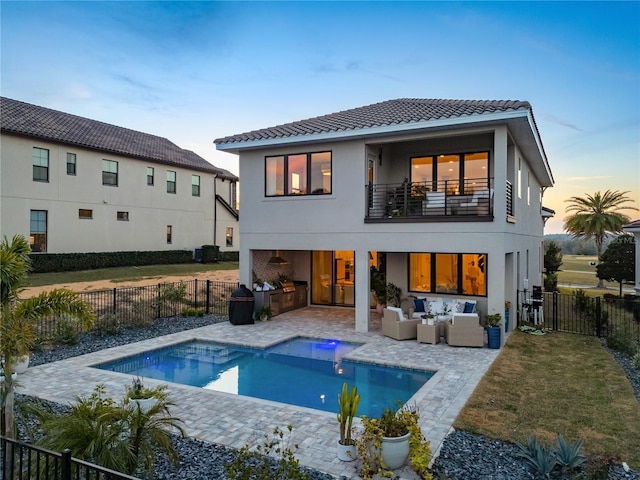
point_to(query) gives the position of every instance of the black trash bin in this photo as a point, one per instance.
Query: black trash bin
(241, 306)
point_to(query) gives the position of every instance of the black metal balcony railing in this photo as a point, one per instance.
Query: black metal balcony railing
(430, 200)
(509, 199)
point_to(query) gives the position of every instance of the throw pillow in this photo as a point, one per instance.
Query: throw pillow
(469, 307)
(459, 307)
(437, 308)
(419, 304)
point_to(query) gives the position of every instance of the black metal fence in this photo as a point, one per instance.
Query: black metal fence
(140, 306)
(578, 313)
(22, 461)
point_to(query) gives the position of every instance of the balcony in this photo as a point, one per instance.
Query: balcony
(437, 201)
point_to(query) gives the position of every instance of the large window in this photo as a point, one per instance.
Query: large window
(299, 174)
(454, 174)
(71, 163)
(38, 231)
(40, 164)
(171, 181)
(195, 185)
(454, 273)
(109, 172)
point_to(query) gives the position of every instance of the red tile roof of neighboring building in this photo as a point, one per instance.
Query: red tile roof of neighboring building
(29, 120)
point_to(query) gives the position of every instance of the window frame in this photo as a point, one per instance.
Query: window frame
(195, 188)
(169, 234)
(173, 182)
(308, 172)
(107, 174)
(33, 233)
(85, 214)
(462, 275)
(229, 237)
(151, 178)
(460, 182)
(40, 168)
(74, 163)
(122, 216)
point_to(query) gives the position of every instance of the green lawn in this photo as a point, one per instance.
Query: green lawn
(577, 270)
(557, 383)
(122, 274)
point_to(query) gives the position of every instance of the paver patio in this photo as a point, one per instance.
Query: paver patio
(236, 420)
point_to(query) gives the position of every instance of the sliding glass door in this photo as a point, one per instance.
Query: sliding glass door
(333, 278)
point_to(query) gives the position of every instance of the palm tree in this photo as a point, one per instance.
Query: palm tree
(595, 216)
(18, 317)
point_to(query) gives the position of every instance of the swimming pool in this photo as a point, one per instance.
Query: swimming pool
(302, 371)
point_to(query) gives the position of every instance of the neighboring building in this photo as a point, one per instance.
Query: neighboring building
(71, 184)
(444, 196)
(633, 228)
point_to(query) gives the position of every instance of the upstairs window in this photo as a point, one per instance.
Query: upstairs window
(171, 182)
(40, 164)
(110, 173)
(71, 163)
(150, 175)
(169, 233)
(298, 174)
(453, 173)
(195, 185)
(122, 216)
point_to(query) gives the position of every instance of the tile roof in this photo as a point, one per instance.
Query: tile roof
(29, 120)
(388, 113)
(634, 225)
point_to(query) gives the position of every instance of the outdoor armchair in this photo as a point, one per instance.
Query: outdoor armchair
(396, 326)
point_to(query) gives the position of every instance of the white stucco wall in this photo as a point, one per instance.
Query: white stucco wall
(150, 208)
(336, 221)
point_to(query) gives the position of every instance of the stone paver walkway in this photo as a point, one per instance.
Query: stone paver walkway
(235, 420)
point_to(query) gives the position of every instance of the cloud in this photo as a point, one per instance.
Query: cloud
(593, 177)
(563, 123)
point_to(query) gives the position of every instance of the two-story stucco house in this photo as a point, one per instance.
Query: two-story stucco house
(71, 184)
(443, 196)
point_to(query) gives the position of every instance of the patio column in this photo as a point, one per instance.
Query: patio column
(496, 288)
(362, 290)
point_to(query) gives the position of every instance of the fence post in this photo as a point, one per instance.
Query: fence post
(158, 300)
(598, 317)
(555, 311)
(207, 309)
(115, 294)
(66, 465)
(195, 294)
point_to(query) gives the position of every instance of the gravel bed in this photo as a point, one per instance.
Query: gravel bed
(463, 456)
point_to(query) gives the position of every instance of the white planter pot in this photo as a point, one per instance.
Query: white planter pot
(346, 453)
(395, 451)
(21, 364)
(145, 404)
(430, 321)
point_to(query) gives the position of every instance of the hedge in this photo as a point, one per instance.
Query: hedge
(210, 253)
(69, 262)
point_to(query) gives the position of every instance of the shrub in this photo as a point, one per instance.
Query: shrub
(67, 330)
(636, 361)
(210, 253)
(622, 340)
(258, 464)
(111, 323)
(192, 312)
(541, 457)
(70, 262)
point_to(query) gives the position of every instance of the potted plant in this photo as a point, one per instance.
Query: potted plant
(264, 313)
(393, 294)
(145, 398)
(492, 323)
(385, 443)
(348, 402)
(379, 288)
(428, 318)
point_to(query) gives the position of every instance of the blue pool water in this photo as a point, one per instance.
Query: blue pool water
(302, 371)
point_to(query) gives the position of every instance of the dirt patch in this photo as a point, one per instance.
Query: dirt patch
(217, 276)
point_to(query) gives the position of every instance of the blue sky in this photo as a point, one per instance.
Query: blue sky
(196, 71)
